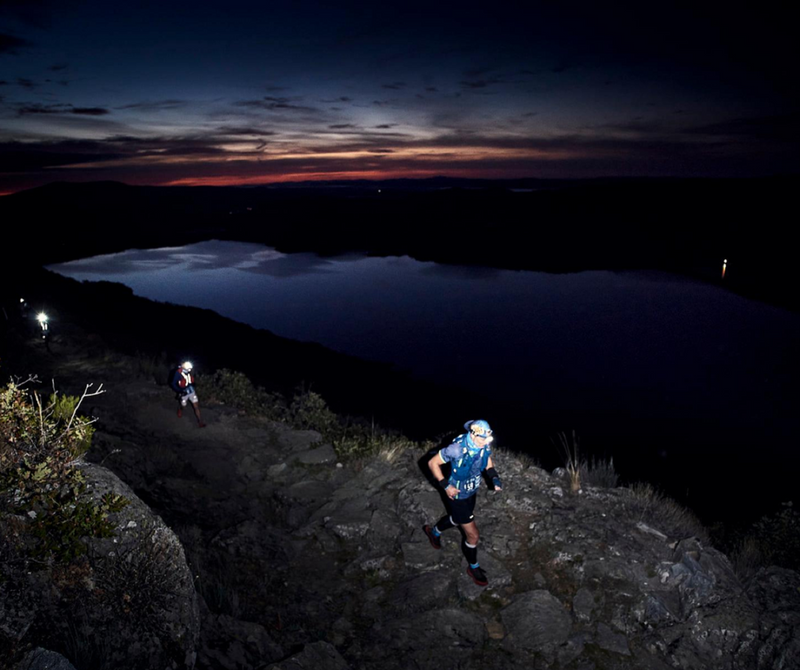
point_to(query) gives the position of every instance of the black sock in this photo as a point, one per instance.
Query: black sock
(470, 553)
(444, 524)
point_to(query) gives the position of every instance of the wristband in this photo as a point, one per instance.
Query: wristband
(444, 484)
(492, 474)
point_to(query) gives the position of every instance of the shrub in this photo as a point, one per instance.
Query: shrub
(40, 446)
(360, 441)
(233, 388)
(306, 411)
(772, 540)
(647, 504)
(579, 471)
(309, 411)
(599, 472)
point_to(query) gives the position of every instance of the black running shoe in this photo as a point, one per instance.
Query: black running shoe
(436, 542)
(478, 575)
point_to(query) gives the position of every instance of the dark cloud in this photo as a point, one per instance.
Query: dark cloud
(395, 86)
(58, 68)
(36, 108)
(60, 108)
(10, 44)
(785, 127)
(341, 126)
(89, 111)
(271, 103)
(155, 105)
(386, 126)
(26, 83)
(481, 83)
(244, 130)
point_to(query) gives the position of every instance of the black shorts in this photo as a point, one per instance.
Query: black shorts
(461, 510)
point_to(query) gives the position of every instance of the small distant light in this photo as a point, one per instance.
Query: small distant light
(22, 299)
(41, 317)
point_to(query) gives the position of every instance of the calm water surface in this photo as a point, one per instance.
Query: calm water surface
(660, 371)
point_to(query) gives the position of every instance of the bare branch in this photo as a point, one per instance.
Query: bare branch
(86, 394)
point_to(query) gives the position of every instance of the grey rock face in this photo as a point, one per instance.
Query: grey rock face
(134, 602)
(777, 591)
(583, 604)
(231, 644)
(332, 561)
(536, 621)
(318, 456)
(43, 659)
(316, 656)
(424, 638)
(431, 590)
(611, 641)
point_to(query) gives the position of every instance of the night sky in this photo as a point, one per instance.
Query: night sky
(235, 92)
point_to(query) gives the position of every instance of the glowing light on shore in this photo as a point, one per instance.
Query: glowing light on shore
(724, 266)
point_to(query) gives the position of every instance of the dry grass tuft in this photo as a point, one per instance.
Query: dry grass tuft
(568, 448)
(647, 504)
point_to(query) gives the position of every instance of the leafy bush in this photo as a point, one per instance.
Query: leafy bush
(233, 388)
(40, 446)
(307, 410)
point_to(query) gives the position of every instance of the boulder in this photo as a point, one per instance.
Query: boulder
(536, 621)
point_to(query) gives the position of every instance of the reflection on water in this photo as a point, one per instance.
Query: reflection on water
(645, 362)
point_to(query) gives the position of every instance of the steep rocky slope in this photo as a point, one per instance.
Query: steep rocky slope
(301, 560)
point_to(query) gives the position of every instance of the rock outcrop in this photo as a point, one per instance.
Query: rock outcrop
(303, 561)
(129, 603)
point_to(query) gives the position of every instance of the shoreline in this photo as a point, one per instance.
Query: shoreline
(684, 226)
(286, 219)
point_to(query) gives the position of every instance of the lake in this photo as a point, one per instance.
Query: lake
(681, 382)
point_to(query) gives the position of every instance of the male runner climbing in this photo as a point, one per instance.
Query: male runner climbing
(469, 455)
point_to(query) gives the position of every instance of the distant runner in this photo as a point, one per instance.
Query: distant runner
(469, 455)
(182, 383)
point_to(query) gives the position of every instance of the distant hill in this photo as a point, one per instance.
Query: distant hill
(682, 225)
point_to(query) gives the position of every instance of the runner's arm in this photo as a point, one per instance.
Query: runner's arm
(492, 473)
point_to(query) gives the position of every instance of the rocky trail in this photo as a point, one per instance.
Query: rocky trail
(302, 561)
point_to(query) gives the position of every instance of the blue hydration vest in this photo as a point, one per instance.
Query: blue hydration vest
(467, 465)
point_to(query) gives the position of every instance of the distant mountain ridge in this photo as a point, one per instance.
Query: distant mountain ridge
(688, 226)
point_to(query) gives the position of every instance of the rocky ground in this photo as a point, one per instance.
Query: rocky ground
(302, 561)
